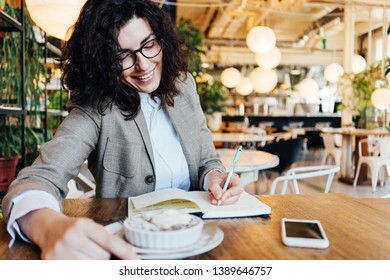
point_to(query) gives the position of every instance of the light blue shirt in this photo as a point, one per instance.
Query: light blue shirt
(171, 166)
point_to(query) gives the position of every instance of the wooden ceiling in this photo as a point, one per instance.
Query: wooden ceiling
(299, 25)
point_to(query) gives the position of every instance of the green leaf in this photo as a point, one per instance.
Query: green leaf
(387, 70)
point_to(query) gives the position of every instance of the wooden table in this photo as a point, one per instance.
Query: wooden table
(267, 130)
(249, 164)
(248, 140)
(356, 228)
(350, 150)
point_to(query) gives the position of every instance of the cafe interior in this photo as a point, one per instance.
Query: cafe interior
(286, 66)
(301, 85)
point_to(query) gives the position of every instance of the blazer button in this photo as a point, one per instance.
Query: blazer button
(149, 179)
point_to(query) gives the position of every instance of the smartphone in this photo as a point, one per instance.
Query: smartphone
(304, 233)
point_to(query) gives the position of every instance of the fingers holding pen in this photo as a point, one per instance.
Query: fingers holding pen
(231, 195)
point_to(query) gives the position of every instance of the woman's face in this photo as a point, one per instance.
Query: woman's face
(145, 74)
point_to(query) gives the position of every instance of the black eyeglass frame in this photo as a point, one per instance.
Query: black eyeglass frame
(134, 53)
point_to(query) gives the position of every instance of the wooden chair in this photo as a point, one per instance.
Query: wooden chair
(331, 148)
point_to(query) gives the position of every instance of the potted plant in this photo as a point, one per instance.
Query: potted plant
(9, 151)
(10, 147)
(212, 93)
(10, 89)
(356, 91)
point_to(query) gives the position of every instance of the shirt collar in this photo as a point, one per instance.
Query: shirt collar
(146, 99)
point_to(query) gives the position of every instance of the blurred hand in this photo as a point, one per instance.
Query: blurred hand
(62, 237)
(215, 182)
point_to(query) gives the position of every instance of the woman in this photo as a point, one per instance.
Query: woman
(134, 114)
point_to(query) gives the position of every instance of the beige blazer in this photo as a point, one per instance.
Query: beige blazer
(119, 152)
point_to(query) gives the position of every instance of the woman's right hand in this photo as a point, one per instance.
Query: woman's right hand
(63, 237)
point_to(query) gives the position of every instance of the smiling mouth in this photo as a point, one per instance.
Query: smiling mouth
(146, 76)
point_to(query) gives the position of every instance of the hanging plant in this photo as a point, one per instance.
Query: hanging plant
(10, 76)
(192, 45)
(212, 93)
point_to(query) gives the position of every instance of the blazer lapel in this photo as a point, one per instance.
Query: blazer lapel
(143, 128)
(183, 130)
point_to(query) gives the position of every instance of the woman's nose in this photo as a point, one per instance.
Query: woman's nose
(141, 61)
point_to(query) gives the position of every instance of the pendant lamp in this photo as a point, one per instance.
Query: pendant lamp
(244, 87)
(269, 60)
(264, 80)
(380, 98)
(261, 39)
(333, 72)
(230, 77)
(54, 16)
(308, 87)
(358, 64)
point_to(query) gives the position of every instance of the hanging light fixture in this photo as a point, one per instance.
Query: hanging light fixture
(245, 86)
(230, 77)
(333, 72)
(54, 16)
(269, 60)
(308, 87)
(358, 64)
(380, 98)
(261, 39)
(264, 80)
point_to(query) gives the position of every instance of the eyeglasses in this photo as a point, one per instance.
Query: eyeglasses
(150, 49)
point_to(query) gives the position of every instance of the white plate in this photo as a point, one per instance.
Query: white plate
(205, 244)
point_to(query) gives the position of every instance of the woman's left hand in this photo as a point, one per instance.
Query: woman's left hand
(215, 182)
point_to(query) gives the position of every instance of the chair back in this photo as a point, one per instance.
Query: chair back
(286, 150)
(372, 146)
(329, 140)
(314, 139)
(304, 172)
(384, 147)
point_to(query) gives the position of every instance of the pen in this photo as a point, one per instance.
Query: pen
(235, 159)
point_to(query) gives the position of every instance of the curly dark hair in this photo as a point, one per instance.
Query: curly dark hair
(91, 69)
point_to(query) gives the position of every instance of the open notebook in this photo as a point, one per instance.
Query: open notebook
(196, 202)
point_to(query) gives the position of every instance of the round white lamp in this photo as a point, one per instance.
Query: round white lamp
(54, 16)
(245, 86)
(261, 39)
(308, 87)
(269, 59)
(230, 77)
(358, 64)
(264, 80)
(380, 98)
(333, 72)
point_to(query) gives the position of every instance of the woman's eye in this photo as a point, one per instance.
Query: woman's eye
(124, 55)
(149, 45)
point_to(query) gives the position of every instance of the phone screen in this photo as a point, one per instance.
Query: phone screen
(303, 230)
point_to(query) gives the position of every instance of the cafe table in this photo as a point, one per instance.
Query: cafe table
(357, 229)
(350, 150)
(230, 138)
(249, 163)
